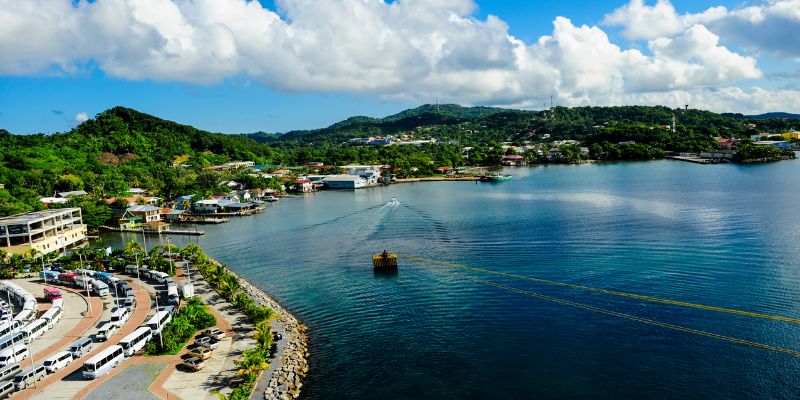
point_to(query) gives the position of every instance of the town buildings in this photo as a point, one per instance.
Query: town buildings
(44, 231)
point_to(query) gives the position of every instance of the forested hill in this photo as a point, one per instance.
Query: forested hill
(118, 149)
(476, 124)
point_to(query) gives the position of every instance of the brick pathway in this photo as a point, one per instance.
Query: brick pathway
(136, 319)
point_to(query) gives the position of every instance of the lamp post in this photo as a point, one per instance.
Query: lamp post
(88, 294)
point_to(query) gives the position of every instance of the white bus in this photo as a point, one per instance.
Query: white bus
(131, 269)
(135, 341)
(7, 327)
(34, 330)
(52, 316)
(102, 363)
(157, 321)
(11, 339)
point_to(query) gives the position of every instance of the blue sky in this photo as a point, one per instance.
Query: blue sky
(214, 65)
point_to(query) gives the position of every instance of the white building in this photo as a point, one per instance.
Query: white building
(45, 231)
(345, 182)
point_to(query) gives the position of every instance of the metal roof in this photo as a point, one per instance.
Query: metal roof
(35, 216)
(143, 208)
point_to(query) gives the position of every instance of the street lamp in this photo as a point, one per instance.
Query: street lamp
(88, 294)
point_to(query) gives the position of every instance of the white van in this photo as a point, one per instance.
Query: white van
(7, 373)
(29, 376)
(120, 314)
(6, 388)
(83, 282)
(13, 355)
(80, 348)
(99, 287)
(106, 330)
(57, 361)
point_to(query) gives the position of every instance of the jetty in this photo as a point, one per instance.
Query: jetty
(167, 231)
(444, 178)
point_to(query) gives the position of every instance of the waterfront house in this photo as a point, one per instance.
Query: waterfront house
(174, 215)
(44, 231)
(303, 186)
(514, 160)
(725, 144)
(444, 169)
(146, 213)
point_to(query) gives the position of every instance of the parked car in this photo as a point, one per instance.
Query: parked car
(207, 341)
(214, 333)
(201, 352)
(194, 363)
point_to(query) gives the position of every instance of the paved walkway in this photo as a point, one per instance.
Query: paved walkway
(239, 331)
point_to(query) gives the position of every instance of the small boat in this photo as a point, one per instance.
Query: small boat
(270, 198)
(385, 261)
(495, 177)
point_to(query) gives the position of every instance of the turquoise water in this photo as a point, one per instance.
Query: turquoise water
(722, 235)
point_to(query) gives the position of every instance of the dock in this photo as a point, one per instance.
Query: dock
(698, 160)
(155, 232)
(466, 178)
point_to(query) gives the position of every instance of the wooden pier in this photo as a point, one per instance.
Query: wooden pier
(155, 232)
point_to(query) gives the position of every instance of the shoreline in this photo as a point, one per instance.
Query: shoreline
(284, 380)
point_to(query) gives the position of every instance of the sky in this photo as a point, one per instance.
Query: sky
(239, 66)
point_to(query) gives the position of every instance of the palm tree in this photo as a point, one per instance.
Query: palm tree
(228, 286)
(263, 335)
(252, 362)
(261, 314)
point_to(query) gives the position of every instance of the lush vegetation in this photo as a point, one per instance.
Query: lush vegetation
(122, 148)
(254, 360)
(192, 317)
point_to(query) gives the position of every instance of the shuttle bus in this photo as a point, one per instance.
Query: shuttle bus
(51, 293)
(52, 316)
(157, 321)
(135, 341)
(11, 339)
(34, 330)
(102, 363)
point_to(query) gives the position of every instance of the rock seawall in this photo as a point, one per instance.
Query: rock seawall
(287, 378)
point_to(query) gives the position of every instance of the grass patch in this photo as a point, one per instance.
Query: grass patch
(192, 317)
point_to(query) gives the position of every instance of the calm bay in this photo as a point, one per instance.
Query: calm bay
(719, 235)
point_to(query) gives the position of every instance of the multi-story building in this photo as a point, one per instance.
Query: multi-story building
(45, 231)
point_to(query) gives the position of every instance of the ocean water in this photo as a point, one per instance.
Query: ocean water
(720, 235)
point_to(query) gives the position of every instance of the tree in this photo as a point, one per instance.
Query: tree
(70, 182)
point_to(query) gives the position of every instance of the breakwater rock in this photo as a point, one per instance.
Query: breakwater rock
(287, 378)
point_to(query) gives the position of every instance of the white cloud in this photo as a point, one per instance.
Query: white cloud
(81, 117)
(405, 49)
(769, 28)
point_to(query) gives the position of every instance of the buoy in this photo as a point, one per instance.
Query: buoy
(384, 261)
